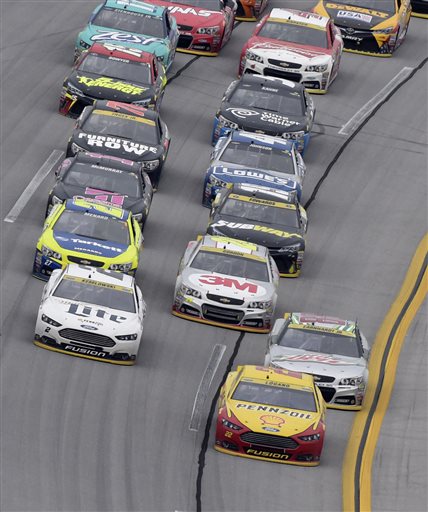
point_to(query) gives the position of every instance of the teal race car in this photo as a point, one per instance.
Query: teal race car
(132, 24)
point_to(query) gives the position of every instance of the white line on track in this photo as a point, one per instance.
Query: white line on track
(366, 110)
(41, 174)
(204, 386)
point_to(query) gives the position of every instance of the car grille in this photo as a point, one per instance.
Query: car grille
(226, 316)
(327, 393)
(224, 300)
(184, 41)
(323, 378)
(269, 440)
(85, 261)
(88, 338)
(291, 65)
(277, 73)
(184, 27)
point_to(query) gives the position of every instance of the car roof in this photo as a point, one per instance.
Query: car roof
(276, 375)
(111, 162)
(125, 108)
(270, 81)
(121, 52)
(261, 139)
(100, 275)
(263, 195)
(294, 16)
(323, 323)
(136, 6)
(227, 245)
(93, 206)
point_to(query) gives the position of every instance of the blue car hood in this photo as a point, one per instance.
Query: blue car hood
(83, 244)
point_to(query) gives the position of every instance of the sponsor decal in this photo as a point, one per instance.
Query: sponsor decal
(357, 9)
(85, 311)
(190, 10)
(85, 351)
(277, 410)
(283, 47)
(101, 284)
(271, 89)
(271, 429)
(266, 454)
(269, 419)
(254, 227)
(123, 37)
(89, 327)
(257, 175)
(96, 244)
(102, 141)
(107, 197)
(271, 117)
(307, 318)
(228, 282)
(123, 49)
(355, 16)
(109, 83)
(314, 358)
(243, 113)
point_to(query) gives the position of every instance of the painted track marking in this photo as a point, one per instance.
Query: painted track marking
(366, 109)
(204, 386)
(34, 184)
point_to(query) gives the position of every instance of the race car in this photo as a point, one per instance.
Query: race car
(133, 24)
(88, 232)
(227, 283)
(369, 27)
(334, 351)
(255, 159)
(112, 72)
(419, 8)
(112, 180)
(249, 10)
(271, 414)
(268, 105)
(91, 313)
(266, 217)
(205, 26)
(124, 131)
(300, 46)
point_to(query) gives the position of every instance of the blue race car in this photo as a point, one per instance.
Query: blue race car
(132, 24)
(255, 159)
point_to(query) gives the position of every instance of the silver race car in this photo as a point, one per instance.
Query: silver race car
(334, 351)
(228, 283)
(93, 313)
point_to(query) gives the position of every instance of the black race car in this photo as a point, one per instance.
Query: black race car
(111, 72)
(108, 179)
(269, 105)
(125, 131)
(266, 217)
(420, 8)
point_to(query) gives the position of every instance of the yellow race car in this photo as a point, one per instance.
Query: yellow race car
(271, 414)
(88, 232)
(370, 27)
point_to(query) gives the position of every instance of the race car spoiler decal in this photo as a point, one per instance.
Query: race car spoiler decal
(108, 83)
(110, 286)
(333, 330)
(295, 22)
(112, 210)
(124, 116)
(232, 252)
(266, 202)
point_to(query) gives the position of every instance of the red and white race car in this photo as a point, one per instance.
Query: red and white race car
(205, 26)
(300, 46)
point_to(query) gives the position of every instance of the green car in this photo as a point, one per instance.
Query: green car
(132, 24)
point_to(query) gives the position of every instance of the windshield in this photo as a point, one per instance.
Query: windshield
(299, 34)
(114, 67)
(269, 394)
(264, 213)
(93, 226)
(129, 127)
(376, 5)
(101, 294)
(208, 5)
(103, 179)
(230, 265)
(129, 21)
(279, 101)
(259, 157)
(320, 341)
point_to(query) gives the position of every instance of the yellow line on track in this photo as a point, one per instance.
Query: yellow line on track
(357, 464)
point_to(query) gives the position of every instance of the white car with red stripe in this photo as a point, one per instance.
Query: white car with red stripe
(227, 283)
(334, 351)
(295, 45)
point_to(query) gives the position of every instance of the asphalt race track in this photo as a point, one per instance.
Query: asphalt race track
(78, 435)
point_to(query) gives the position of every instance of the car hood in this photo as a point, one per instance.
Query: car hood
(87, 245)
(116, 146)
(314, 362)
(235, 173)
(105, 87)
(88, 317)
(97, 34)
(355, 17)
(269, 235)
(227, 286)
(195, 17)
(292, 52)
(272, 419)
(254, 118)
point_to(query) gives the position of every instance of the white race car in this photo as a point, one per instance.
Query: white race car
(93, 313)
(334, 351)
(228, 283)
(300, 46)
